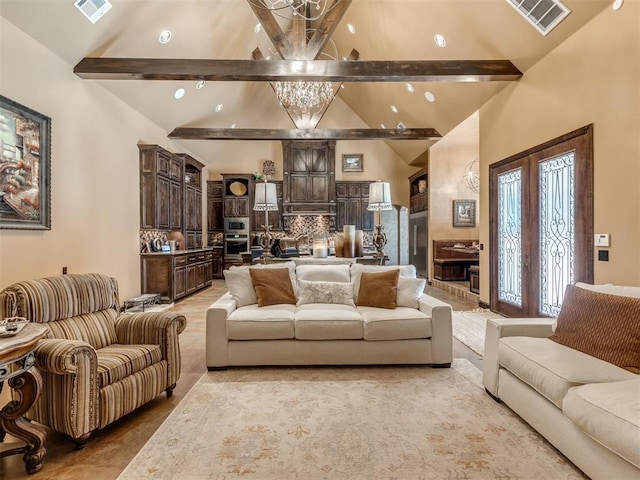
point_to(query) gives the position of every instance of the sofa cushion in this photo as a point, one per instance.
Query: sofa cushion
(610, 414)
(552, 369)
(398, 324)
(325, 292)
(273, 286)
(326, 321)
(96, 328)
(116, 361)
(240, 286)
(324, 273)
(378, 289)
(409, 291)
(602, 325)
(357, 269)
(251, 322)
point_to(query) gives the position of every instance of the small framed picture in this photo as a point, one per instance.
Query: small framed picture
(352, 162)
(464, 213)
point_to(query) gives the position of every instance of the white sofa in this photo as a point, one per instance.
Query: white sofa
(327, 333)
(587, 408)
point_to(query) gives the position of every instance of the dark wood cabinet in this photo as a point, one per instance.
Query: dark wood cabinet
(192, 212)
(176, 275)
(419, 191)
(308, 179)
(215, 217)
(237, 206)
(217, 262)
(161, 192)
(352, 199)
(237, 195)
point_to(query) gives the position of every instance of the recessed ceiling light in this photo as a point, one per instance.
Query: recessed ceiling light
(200, 84)
(351, 28)
(219, 107)
(382, 126)
(164, 36)
(617, 5)
(233, 125)
(409, 87)
(394, 109)
(430, 97)
(440, 40)
(179, 93)
(257, 28)
(342, 85)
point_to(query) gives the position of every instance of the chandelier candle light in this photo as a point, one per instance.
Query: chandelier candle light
(266, 201)
(379, 199)
(301, 97)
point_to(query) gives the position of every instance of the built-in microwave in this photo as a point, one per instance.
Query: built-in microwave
(236, 225)
(235, 244)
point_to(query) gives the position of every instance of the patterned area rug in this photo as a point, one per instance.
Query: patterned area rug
(403, 423)
(469, 327)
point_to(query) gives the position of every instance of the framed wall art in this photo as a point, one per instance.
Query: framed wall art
(352, 162)
(464, 213)
(25, 167)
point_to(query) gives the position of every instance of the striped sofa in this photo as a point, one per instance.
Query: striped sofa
(97, 365)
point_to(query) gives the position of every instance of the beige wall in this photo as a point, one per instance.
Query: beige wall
(448, 162)
(593, 77)
(94, 168)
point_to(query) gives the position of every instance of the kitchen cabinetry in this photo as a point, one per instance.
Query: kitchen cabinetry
(217, 262)
(175, 275)
(161, 188)
(275, 216)
(309, 179)
(237, 195)
(419, 191)
(352, 199)
(215, 218)
(192, 201)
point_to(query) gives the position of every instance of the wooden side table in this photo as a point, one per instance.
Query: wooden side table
(16, 359)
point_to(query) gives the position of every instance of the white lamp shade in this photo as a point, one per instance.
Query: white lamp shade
(265, 197)
(380, 196)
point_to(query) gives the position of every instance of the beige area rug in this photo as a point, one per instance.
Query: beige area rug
(469, 327)
(369, 423)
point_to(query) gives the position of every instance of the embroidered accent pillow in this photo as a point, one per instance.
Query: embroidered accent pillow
(325, 292)
(273, 286)
(378, 289)
(601, 325)
(409, 291)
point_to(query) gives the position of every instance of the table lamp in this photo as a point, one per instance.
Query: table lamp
(266, 201)
(379, 199)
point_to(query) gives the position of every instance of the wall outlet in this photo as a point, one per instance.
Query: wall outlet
(64, 270)
(602, 239)
(603, 255)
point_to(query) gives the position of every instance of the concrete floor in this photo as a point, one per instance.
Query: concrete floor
(111, 449)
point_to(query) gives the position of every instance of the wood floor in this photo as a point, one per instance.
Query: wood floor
(111, 449)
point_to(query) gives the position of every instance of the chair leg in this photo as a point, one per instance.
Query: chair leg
(169, 390)
(81, 441)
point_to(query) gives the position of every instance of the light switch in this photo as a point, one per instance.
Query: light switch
(602, 239)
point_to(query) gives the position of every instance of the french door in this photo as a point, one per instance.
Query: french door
(541, 225)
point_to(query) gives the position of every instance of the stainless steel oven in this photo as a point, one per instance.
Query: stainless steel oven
(236, 225)
(235, 244)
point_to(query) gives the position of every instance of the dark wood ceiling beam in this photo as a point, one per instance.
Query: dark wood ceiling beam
(293, 70)
(194, 133)
(326, 27)
(272, 29)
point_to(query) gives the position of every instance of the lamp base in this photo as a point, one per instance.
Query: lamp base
(266, 238)
(379, 240)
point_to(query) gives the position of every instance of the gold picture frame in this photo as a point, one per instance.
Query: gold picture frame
(352, 162)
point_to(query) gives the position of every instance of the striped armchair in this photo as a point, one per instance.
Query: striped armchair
(97, 365)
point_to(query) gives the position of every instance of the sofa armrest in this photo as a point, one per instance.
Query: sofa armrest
(155, 328)
(216, 331)
(63, 357)
(508, 327)
(441, 328)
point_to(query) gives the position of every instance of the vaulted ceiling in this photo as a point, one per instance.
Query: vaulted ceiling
(400, 30)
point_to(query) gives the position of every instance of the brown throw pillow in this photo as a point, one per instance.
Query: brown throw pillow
(272, 285)
(601, 325)
(378, 289)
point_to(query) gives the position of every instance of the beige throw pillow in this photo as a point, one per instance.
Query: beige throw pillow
(601, 325)
(273, 286)
(325, 292)
(409, 291)
(378, 289)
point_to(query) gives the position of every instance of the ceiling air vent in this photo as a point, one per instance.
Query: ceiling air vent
(401, 126)
(93, 9)
(542, 14)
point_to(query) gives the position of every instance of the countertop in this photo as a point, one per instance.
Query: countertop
(180, 252)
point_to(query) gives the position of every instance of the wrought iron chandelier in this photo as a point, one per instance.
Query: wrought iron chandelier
(302, 97)
(472, 177)
(307, 9)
